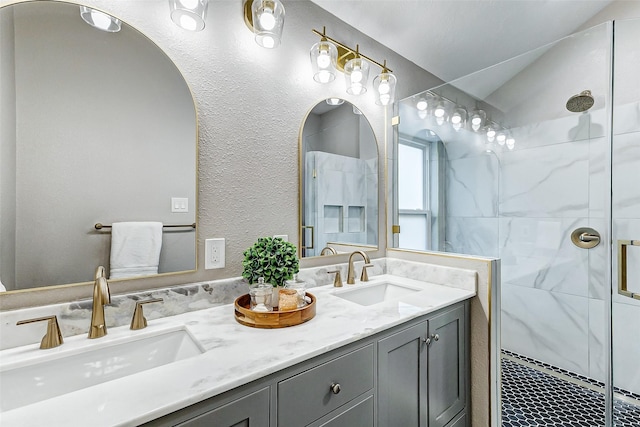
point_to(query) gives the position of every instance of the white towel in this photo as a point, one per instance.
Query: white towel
(135, 249)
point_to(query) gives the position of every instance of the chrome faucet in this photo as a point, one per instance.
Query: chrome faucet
(101, 296)
(351, 275)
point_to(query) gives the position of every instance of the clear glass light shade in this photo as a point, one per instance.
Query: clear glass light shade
(477, 119)
(424, 101)
(189, 14)
(100, 20)
(440, 112)
(323, 61)
(385, 87)
(491, 132)
(335, 101)
(357, 76)
(458, 118)
(501, 137)
(268, 22)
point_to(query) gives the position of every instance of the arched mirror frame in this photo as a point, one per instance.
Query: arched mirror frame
(51, 293)
(343, 248)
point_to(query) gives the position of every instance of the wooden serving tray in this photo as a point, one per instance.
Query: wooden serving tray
(272, 319)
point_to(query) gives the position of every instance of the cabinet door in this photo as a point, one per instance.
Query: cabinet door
(402, 378)
(446, 364)
(249, 411)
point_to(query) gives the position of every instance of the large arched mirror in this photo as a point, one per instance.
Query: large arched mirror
(95, 127)
(338, 181)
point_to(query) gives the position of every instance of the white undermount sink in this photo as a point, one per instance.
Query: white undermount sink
(86, 363)
(374, 293)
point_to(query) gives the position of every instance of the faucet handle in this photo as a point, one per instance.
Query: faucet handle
(53, 337)
(138, 321)
(364, 277)
(337, 281)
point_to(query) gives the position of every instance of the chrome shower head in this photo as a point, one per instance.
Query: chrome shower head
(581, 102)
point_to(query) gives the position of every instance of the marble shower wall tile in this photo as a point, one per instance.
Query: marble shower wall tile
(548, 181)
(626, 175)
(538, 253)
(570, 128)
(440, 275)
(472, 186)
(472, 236)
(547, 326)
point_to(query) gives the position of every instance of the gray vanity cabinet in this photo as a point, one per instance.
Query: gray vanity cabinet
(422, 372)
(416, 374)
(248, 411)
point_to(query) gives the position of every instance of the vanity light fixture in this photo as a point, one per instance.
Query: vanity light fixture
(491, 131)
(354, 65)
(100, 20)
(385, 86)
(458, 118)
(323, 60)
(478, 118)
(510, 142)
(356, 73)
(440, 112)
(335, 101)
(189, 14)
(266, 19)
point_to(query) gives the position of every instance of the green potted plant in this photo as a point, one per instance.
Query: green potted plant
(271, 258)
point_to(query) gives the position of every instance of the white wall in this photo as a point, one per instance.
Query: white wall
(251, 103)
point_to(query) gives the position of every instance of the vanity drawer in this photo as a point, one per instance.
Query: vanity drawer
(309, 395)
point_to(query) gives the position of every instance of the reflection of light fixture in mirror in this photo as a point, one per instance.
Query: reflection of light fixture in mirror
(100, 20)
(458, 118)
(440, 112)
(323, 60)
(335, 101)
(356, 111)
(511, 142)
(356, 74)
(385, 85)
(501, 136)
(477, 118)
(491, 131)
(189, 14)
(266, 19)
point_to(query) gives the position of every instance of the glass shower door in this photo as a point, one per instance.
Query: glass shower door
(625, 222)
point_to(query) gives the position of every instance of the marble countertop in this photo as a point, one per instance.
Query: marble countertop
(235, 355)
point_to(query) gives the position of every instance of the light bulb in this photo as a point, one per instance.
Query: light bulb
(477, 121)
(491, 133)
(324, 76)
(324, 59)
(266, 18)
(439, 111)
(511, 142)
(385, 99)
(501, 137)
(422, 105)
(356, 75)
(357, 88)
(422, 114)
(384, 88)
(268, 42)
(100, 20)
(188, 23)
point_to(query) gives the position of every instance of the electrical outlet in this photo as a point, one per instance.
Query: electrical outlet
(214, 253)
(284, 237)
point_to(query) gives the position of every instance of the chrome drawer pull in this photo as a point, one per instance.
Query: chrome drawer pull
(335, 388)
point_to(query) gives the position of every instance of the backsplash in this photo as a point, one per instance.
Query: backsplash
(74, 317)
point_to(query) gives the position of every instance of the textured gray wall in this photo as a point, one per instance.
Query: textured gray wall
(251, 103)
(7, 150)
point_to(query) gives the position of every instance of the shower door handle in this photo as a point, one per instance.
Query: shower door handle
(622, 268)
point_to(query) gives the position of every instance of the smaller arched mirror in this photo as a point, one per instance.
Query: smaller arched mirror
(338, 181)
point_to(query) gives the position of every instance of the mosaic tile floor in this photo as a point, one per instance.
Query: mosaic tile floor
(531, 398)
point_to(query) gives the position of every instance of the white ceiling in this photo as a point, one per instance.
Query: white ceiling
(452, 38)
